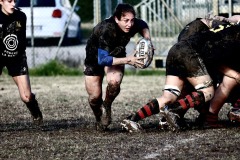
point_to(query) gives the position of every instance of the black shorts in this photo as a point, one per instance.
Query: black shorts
(94, 70)
(15, 66)
(183, 61)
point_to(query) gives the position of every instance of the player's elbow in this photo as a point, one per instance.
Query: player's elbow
(104, 59)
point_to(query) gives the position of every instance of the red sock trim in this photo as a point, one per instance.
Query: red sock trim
(195, 94)
(147, 109)
(190, 101)
(183, 104)
(141, 114)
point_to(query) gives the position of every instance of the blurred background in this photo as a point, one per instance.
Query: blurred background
(58, 29)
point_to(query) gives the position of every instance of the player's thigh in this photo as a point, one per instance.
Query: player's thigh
(204, 84)
(114, 74)
(93, 85)
(198, 81)
(23, 84)
(171, 91)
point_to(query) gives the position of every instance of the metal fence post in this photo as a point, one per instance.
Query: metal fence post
(215, 7)
(32, 35)
(97, 11)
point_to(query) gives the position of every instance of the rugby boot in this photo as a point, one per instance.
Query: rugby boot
(106, 118)
(35, 111)
(199, 121)
(97, 111)
(131, 126)
(234, 115)
(171, 117)
(163, 125)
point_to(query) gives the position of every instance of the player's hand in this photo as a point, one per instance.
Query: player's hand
(137, 62)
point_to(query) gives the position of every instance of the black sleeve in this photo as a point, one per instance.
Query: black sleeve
(139, 25)
(22, 32)
(106, 37)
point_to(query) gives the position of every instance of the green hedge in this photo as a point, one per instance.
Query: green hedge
(56, 68)
(86, 8)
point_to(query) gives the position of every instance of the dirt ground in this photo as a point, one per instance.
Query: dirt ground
(68, 131)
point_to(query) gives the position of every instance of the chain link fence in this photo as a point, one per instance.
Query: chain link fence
(165, 18)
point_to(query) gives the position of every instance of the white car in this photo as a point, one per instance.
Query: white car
(50, 18)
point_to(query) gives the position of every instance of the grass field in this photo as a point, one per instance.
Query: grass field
(68, 131)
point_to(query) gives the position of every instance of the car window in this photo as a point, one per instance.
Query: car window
(36, 3)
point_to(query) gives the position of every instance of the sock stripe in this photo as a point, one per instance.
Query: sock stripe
(183, 104)
(141, 114)
(190, 101)
(148, 110)
(195, 95)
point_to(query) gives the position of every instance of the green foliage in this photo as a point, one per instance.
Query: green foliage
(86, 10)
(86, 7)
(86, 32)
(54, 68)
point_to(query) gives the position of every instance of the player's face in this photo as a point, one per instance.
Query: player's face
(8, 6)
(126, 22)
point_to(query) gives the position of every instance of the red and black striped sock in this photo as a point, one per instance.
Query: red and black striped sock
(147, 110)
(189, 101)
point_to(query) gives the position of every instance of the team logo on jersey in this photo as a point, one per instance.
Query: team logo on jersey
(18, 25)
(11, 42)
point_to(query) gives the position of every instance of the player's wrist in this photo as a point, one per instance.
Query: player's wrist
(128, 60)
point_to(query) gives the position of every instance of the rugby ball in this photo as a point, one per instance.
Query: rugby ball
(145, 49)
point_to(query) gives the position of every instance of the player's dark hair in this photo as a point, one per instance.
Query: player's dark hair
(122, 8)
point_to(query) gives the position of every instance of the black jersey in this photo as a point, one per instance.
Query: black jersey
(108, 36)
(191, 28)
(194, 54)
(224, 46)
(12, 35)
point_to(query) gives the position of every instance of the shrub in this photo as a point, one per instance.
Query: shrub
(54, 68)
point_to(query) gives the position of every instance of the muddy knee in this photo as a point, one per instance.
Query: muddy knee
(94, 101)
(113, 90)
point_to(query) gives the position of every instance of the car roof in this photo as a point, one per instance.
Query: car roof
(38, 3)
(44, 3)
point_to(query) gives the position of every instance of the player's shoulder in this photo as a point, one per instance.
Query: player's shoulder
(19, 13)
(106, 25)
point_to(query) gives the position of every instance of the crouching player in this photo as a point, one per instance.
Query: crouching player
(184, 63)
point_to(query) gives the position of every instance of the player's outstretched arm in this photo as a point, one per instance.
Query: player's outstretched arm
(131, 60)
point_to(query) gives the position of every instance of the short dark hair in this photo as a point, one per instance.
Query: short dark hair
(123, 8)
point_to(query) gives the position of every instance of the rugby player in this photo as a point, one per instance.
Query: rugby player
(106, 54)
(13, 55)
(184, 63)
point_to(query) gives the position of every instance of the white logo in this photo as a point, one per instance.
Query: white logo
(11, 42)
